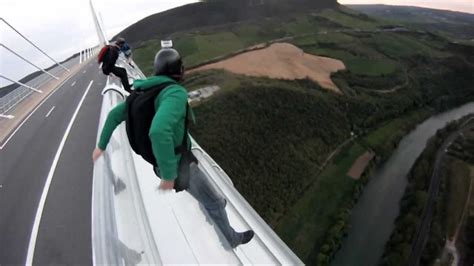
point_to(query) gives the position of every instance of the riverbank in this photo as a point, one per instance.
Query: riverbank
(315, 230)
(432, 203)
(373, 216)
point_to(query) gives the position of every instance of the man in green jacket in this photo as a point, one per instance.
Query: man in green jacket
(166, 133)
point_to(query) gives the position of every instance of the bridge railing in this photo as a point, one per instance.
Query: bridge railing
(21, 91)
(133, 222)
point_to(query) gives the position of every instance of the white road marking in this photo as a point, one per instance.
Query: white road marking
(50, 111)
(32, 112)
(39, 210)
(84, 71)
(74, 83)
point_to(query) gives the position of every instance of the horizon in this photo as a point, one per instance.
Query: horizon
(463, 6)
(85, 35)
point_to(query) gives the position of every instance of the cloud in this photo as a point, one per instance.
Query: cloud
(466, 6)
(62, 28)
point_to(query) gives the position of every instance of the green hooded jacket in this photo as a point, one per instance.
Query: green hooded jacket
(167, 128)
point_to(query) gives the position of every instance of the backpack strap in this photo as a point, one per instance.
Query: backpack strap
(140, 112)
(183, 148)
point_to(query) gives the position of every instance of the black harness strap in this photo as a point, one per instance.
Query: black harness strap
(183, 148)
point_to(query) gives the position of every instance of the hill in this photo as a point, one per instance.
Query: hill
(456, 25)
(451, 214)
(9, 88)
(288, 145)
(281, 61)
(208, 13)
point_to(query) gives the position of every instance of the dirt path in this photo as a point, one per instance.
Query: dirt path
(425, 226)
(282, 61)
(358, 167)
(452, 246)
(397, 87)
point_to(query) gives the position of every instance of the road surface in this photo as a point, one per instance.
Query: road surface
(425, 225)
(36, 152)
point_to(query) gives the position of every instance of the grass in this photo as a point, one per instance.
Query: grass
(393, 129)
(211, 42)
(310, 218)
(145, 55)
(359, 58)
(356, 64)
(399, 45)
(459, 180)
(213, 45)
(186, 45)
(369, 54)
(361, 66)
(301, 25)
(347, 20)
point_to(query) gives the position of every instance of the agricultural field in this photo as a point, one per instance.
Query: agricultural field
(273, 135)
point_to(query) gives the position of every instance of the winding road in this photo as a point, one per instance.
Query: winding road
(425, 225)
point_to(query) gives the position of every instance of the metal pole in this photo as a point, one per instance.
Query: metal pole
(98, 27)
(21, 84)
(1, 44)
(34, 45)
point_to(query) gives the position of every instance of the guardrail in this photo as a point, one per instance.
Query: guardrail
(24, 90)
(17, 95)
(132, 222)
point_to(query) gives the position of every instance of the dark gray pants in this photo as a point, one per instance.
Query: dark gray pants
(122, 74)
(213, 202)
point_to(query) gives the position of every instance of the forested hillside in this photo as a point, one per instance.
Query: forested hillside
(288, 144)
(457, 25)
(214, 12)
(448, 222)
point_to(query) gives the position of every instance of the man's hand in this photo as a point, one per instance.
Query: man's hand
(96, 153)
(166, 185)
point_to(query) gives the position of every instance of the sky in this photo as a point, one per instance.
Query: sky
(64, 27)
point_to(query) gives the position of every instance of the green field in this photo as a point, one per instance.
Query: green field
(365, 54)
(200, 46)
(307, 223)
(399, 45)
(385, 137)
(459, 180)
(271, 136)
(347, 20)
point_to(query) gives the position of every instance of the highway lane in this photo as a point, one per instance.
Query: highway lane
(65, 233)
(26, 161)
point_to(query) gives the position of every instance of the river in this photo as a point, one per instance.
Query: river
(372, 219)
